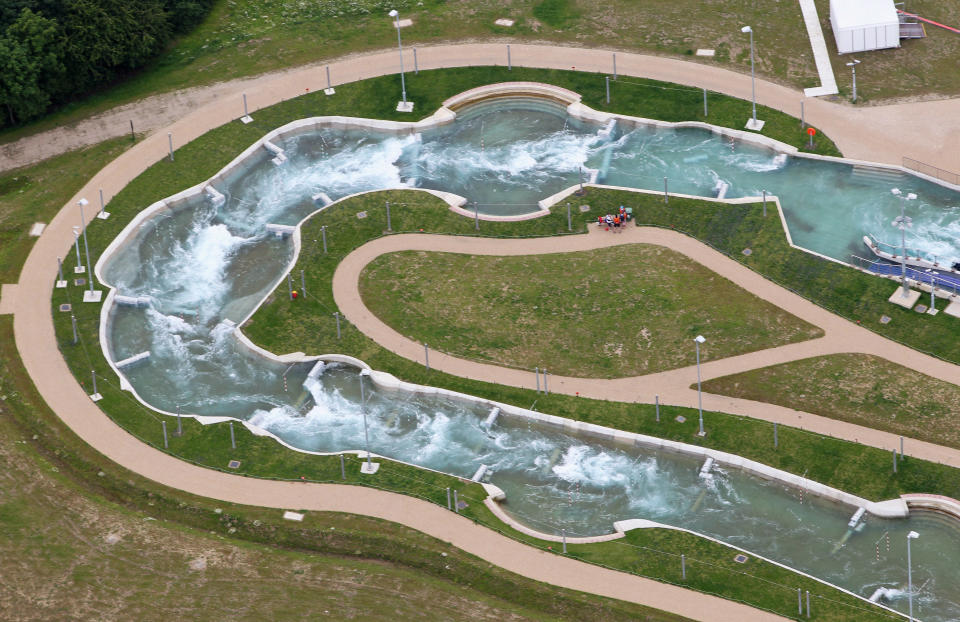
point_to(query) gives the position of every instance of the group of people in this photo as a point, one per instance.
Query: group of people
(614, 221)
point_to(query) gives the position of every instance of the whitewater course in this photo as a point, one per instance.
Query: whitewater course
(187, 271)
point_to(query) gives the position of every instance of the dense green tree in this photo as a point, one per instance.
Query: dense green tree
(30, 60)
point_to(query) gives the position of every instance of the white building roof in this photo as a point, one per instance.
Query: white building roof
(860, 13)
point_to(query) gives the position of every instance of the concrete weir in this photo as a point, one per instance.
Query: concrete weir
(133, 360)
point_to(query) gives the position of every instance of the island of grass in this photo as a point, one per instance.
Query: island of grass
(622, 311)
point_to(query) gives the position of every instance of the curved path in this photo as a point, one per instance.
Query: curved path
(935, 130)
(927, 131)
(672, 386)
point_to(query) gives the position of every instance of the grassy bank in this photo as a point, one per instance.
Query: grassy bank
(858, 388)
(36, 194)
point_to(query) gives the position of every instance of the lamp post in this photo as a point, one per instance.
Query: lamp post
(902, 222)
(403, 106)
(853, 68)
(698, 340)
(367, 467)
(913, 535)
(86, 247)
(753, 124)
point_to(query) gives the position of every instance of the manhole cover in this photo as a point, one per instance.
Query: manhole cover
(461, 505)
(584, 208)
(66, 307)
(741, 558)
(747, 252)
(234, 464)
(681, 419)
(920, 308)
(884, 319)
(361, 215)
(80, 281)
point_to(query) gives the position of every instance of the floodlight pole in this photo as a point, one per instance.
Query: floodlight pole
(853, 68)
(753, 76)
(910, 536)
(363, 409)
(698, 340)
(902, 222)
(403, 82)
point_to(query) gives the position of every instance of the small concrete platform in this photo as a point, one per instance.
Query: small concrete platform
(755, 125)
(8, 293)
(906, 302)
(404, 106)
(952, 309)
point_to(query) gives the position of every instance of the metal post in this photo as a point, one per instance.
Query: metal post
(133, 136)
(704, 102)
(403, 80)
(93, 375)
(476, 216)
(102, 205)
(343, 468)
(290, 286)
(509, 62)
(894, 460)
(546, 391)
(799, 601)
(614, 65)
(389, 228)
(363, 410)
(901, 448)
(323, 233)
(448, 499)
(245, 105)
(73, 320)
(536, 372)
(563, 534)
(580, 177)
(764, 203)
(233, 439)
(698, 341)
(569, 220)
(753, 80)
(803, 122)
(910, 536)
(683, 567)
(426, 356)
(657, 403)
(776, 442)
(607, 80)
(665, 198)
(329, 85)
(163, 424)
(179, 424)
(86, 247)
(170, 143)
(303, 285)
(76, 242)
(416, 67)
(336, 314)
(456, 503)
(60, 269)
(808, 603)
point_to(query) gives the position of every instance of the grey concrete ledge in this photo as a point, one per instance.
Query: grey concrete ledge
(512, 89)
(933, 503)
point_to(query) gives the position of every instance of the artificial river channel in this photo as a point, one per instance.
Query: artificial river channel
(202, 263)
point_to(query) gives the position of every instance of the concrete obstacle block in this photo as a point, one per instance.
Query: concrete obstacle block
(492, 417)
(279, 156)
(480, 473)
(216, 197)
(281, 231)
(133, 360)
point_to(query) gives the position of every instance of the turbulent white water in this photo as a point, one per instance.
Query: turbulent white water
(203, 264)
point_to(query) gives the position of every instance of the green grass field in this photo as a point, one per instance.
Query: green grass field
(621, 311)
(862, 389)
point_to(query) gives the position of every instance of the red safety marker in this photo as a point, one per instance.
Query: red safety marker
(811, 132)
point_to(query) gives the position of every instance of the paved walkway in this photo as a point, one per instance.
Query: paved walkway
(868, 133)
(925, 131)
(672, 387)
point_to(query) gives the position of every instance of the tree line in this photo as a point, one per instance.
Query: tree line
(53, 51)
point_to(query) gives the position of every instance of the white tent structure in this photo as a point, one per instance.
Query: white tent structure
(861, 25)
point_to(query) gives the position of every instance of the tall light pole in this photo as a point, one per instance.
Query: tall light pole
(403, 106)
(853, 68)
(753, 124)
(699, 339)
(913, 535)
(367, 467)
(902, 222)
